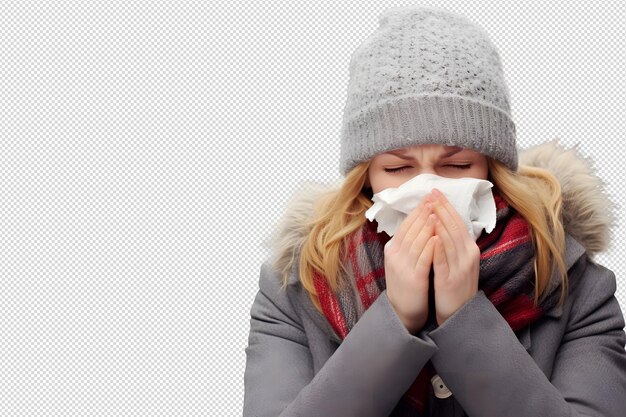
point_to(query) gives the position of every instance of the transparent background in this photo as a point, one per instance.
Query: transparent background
(149, 147)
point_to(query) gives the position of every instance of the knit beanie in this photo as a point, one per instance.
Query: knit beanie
(426, 76)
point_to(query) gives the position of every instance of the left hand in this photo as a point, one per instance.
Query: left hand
(456, 259)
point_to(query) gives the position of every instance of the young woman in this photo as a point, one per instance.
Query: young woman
(521, 322)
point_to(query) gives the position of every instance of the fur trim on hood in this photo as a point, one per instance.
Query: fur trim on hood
(587, 211)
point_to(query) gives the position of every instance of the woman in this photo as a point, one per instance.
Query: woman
(520, 322)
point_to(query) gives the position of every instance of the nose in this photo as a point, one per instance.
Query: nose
(427, 170)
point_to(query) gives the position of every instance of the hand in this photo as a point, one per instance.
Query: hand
(408, 260)
(456, 259)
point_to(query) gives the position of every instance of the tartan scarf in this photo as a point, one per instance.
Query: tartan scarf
(506, 277)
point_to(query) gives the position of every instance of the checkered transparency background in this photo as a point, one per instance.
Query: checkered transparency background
(149, 147)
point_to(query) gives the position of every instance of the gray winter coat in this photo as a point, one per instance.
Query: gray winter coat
(571, 362)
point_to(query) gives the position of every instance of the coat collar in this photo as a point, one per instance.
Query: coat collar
(573, 251)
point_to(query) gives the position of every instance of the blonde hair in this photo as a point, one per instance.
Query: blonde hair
(533, 192)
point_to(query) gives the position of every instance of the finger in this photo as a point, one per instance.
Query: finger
(440, 262)
(407, 222)
(446, 243)
(418, 225)
(450, 219)
(443, 201)
(425, 259)
(420, 241)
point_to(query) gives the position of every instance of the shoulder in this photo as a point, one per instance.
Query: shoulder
(596, 283)
(274, 294)
(594, 305)
(271, 281)
(291, 300)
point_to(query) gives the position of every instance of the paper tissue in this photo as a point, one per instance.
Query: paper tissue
(471, 197)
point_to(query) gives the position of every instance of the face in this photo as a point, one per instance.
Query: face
(393, 168)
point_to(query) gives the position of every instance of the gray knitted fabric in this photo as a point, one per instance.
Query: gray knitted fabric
(427, 75)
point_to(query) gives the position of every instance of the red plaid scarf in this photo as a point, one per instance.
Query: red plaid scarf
(506, 277)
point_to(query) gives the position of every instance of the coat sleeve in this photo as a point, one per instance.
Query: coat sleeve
(366, 376)
(491, 374)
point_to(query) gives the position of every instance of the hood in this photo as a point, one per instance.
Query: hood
(587, 211)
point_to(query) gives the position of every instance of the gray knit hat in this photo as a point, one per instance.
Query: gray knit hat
(427, 75)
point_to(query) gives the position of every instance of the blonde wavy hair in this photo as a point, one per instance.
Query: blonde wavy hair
(533, 192)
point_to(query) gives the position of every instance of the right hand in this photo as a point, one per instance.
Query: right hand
(408, 259)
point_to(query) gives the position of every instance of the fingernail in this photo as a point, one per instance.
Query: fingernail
(428, 206)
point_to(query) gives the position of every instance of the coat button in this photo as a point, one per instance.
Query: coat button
(441, 391)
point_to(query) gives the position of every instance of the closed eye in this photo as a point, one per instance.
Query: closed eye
(393, 170)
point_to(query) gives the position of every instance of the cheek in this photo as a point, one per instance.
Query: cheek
(381, 184)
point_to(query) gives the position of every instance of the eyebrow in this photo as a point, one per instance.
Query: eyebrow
(402, 153)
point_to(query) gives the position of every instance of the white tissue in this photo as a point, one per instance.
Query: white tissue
(471, 197)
